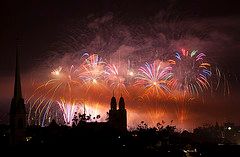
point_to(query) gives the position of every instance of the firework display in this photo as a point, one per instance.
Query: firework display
(191, 76)
(191, 72)
(58, 89)
(92, 80)
(154, 78)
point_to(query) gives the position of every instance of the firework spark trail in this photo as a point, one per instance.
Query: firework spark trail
(154, 78)
(69, 109)
(187, 74)
(93, 110)
(190, 72)
(92, 68)
(117, 81)
(61, 89)
(182, 103)
(52, 91)
(156, 111)
(92, 71)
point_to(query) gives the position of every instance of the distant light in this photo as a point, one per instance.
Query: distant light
(229, 128)
(56, 72)
(28, 138)
(154, 83)
(94, 81)
(131, 73)
(119, 136)
(123, 145)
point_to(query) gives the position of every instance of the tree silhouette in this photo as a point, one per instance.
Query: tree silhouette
(83, 118)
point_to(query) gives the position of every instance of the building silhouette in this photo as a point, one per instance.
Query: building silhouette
(19, 132)
(18, 112)
(118, 117)
(112, 135)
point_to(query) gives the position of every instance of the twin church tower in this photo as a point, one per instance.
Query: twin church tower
(118, 117)
(18, 123)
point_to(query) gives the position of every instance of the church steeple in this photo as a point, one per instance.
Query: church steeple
(118, 117)
(17, 110)
(121, 103)
(122, 113)
(17, 84)
(17, 105)
(113, 103)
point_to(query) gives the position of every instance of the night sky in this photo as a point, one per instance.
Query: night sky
(52, 29)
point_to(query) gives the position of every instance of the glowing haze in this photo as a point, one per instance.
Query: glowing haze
(169, 59)
(87, 85)
(160, 78)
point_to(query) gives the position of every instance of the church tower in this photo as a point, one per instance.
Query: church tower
(17, 110)
(113, 112)
(122, 115)
(118, 117)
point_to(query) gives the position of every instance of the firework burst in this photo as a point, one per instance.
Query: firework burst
(92, 72)
(178, 80)
(190, 72)
(153, 78)
(69, 109)
(62, 83)
(116, 81)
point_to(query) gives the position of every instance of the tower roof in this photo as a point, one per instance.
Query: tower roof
(113, 100)
(113, 103)
(17, 84)
(17, 104)
(121, 100)
(121, 103)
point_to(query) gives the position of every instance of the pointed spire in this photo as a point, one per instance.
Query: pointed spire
(17, 103)
(17, 85)
(113, 103)
(121, 103)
